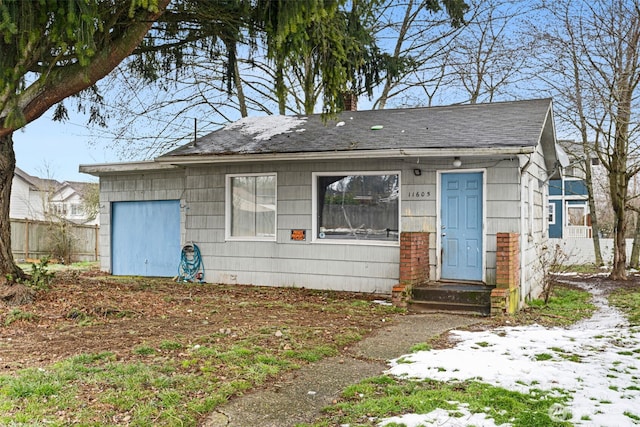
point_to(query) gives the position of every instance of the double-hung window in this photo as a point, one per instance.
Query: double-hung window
(251, 207)
(356, 206)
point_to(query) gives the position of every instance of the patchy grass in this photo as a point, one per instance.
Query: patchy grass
(184, 349)
(138, 352)
(565, 307)
(168, 389)
(543, 356)
(55, 267)
(422, 346)
(628, 301)
(16, 315)
(583, 269)
(366, 403)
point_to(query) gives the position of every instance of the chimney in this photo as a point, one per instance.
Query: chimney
(350, 101)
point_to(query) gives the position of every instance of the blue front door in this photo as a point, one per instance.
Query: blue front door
(145, 238)
(461, 226)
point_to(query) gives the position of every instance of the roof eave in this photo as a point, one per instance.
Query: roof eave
(125, 167)
(338, 155)
(550, 147)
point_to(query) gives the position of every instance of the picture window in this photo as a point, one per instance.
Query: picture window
(357, 207)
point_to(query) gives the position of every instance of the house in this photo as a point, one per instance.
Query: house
(569, 215)
(369, 201)
(41, 199)
(29, 196)
(69, 201)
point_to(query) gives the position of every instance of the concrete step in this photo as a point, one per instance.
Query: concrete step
(451, 307)
(460, 297)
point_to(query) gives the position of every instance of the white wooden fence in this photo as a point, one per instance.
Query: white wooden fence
(35, 239)
(580, 251)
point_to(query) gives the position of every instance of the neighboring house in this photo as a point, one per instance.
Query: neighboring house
(29, 196)
(68, 202)
(370, 201)
(42, 199)
(569, 215)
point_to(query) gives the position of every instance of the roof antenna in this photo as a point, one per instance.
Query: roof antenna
(195, 130)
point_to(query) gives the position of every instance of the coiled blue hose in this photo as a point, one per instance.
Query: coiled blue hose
(191, 267)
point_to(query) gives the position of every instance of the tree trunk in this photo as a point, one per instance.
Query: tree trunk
(618, 190)
(619, 176)
(7, 167)
(242, 101)
(309, 85)
(595, 228)
(635, 250)
(281, 91)
(619, 271)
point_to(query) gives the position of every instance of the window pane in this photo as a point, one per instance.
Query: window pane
(358, 207)
(265, 205)
(576, 215)
(253, 210)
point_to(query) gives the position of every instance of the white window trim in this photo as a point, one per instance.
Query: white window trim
(551, 209)
(314, 209)
(531, 199)
(227, 209)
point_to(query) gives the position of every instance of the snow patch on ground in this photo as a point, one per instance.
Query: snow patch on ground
(597, 362)
(441, 417)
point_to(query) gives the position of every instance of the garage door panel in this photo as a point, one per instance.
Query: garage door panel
(145, 238)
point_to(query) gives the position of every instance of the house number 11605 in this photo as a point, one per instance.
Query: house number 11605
(419, 194)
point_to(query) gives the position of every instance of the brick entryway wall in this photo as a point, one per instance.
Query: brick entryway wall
(506, 295)
(414, 265)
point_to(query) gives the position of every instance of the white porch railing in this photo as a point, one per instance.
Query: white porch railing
(577, 232)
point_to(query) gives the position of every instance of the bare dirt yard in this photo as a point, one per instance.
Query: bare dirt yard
(88, 312)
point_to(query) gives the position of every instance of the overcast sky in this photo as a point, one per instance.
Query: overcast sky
(51, 149)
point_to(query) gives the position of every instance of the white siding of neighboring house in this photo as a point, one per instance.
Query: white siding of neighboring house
(34, 199)
(76, 210)
(19, 202)
(25, 202)
(321, 265)
(70, 206)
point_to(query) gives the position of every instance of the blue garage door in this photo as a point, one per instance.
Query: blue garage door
(145, 238)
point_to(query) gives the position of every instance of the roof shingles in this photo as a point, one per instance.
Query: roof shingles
(503, 124)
